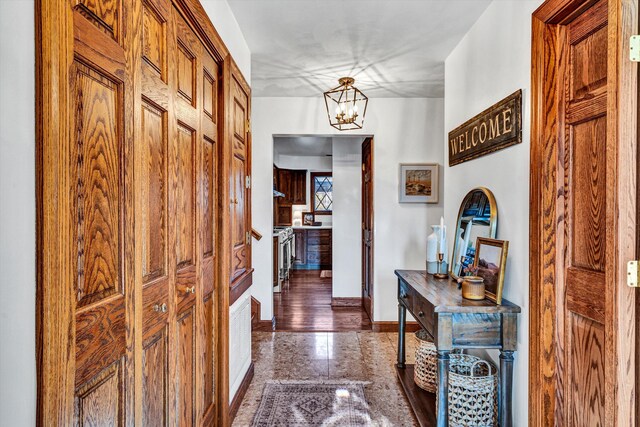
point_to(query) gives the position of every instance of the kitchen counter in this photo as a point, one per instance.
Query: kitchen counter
(312, 227)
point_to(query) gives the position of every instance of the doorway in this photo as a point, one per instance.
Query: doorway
(317, 203)
(367, 227)
(583, 214)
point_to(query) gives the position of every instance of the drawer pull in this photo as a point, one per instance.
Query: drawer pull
(421, 314)
(191, 290)
(161, 308)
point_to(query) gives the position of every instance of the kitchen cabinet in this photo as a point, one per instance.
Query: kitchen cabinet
(293, 184)
(313, 249)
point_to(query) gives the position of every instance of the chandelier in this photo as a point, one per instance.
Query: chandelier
(346, 105)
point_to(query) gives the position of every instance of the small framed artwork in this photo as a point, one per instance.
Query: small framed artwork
(490, 260)
(308, 218)
(419, 183)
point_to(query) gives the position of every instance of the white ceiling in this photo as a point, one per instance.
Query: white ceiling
(302, 145)
(393, 48)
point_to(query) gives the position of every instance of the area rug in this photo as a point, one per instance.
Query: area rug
(324, 274)
(313, 403)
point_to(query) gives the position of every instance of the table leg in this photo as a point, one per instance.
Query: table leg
(443, 388)
(402, 323)
(506, 382)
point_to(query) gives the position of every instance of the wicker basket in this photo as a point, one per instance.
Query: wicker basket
(473, 392)
(425, 373)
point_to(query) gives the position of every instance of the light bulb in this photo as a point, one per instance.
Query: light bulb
(337, 110)
(350, 112)
(342, 107)
(355, 108)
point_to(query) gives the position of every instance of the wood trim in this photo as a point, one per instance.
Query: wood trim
(346, 302)
(392, 326)
(312, 175)
(242, 391)
(623, 118)
(265, 325)
(55, 345)
(239, 286)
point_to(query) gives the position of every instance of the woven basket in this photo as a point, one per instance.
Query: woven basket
(425, 373)
(473, 392)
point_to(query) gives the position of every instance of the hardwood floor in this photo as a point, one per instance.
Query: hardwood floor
(304, 305)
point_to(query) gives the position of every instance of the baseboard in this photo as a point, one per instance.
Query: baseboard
(346, 302)
(392, 326)
(265, 325)
(242, 391)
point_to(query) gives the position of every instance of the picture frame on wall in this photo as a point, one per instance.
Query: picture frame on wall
(308, 218)
(419, 183)
(491, 260)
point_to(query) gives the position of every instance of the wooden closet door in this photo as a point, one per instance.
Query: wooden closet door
(584, 144)
(100, 210)
(239, 171)
(154, 236)
(185, 167)
(209, 222)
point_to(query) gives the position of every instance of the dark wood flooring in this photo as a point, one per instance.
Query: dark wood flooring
(304, 305)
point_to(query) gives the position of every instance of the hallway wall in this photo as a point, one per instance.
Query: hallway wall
(17, 215)
(492, 61)
(405, 130)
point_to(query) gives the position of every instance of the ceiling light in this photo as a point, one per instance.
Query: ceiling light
(346, 105)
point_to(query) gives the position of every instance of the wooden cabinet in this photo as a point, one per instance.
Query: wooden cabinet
(293, 184)
(313, 249)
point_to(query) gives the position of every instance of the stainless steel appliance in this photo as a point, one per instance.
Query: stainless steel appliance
(286, 253)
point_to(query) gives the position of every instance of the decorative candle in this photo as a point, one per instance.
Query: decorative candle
(441, 242)
(467, 237)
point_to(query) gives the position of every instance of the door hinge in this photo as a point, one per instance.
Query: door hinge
(248, 238)
(634, 49)
(633, 278)
(248, 126)
(247, 181)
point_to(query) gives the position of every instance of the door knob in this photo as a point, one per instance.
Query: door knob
(421, 314)
(161, 308)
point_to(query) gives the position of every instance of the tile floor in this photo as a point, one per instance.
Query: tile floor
(358, 355)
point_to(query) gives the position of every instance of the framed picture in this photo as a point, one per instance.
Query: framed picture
(491, 259)
(308, 218)
(419, 183)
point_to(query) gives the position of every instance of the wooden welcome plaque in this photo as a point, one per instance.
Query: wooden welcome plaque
(497, 127)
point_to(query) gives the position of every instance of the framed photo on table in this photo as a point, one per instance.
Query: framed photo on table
(491, 260)
(418, 183)
(308, 218)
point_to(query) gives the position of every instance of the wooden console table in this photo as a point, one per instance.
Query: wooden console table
(453, 322)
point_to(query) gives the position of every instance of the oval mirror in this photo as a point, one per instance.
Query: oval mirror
(478, 217)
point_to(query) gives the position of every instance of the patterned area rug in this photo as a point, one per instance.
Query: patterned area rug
(313, 403)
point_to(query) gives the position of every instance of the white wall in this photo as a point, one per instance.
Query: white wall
(347, 217)
(17, 197)
(492, 61)
(405, 130)
(227, 26)
(311, 164)
(17, 214)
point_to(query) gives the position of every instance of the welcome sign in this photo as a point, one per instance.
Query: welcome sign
(497, 127)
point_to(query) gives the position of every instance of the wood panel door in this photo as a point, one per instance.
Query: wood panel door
(367, 226)
(583, 205)
(155, 235)
(240, 221)
(100, 213)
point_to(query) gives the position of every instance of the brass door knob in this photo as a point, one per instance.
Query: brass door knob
(161, 308)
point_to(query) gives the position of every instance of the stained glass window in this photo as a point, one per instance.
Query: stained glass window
(322, 186)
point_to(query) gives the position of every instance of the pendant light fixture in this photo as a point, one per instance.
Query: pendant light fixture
(346, 105)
